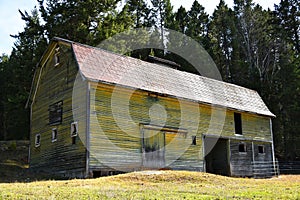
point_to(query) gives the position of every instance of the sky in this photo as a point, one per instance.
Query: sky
(11, 22)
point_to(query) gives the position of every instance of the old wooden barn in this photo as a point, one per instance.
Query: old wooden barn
(94, 112)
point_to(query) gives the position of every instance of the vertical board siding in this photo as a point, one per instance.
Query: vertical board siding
(56, 84)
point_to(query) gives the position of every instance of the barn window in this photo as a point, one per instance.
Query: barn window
(238, 123)
(74, 129)
(261, 149)
(54, 135)
(37, 140)
(56, 57)
(194, 140)
(55, 113)
(242, 148)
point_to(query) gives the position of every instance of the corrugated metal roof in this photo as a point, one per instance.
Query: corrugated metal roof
(100, 65)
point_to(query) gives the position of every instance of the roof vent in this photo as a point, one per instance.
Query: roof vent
(164, 62)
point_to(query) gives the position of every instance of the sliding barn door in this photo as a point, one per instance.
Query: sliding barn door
(153, 148)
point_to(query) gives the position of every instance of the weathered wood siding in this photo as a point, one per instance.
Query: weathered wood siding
(56, 84)
(117, 116)
(241, 162)
(262, 157)
(116, 125)
(256, 130)
(263, 165)
(256, 127)
(253, 126)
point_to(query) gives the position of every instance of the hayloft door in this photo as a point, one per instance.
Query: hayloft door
(153, 143)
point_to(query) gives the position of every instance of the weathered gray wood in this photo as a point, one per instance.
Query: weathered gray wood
(241, 162)
(56, 84)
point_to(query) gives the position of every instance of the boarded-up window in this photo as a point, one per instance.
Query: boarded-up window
(37, 140)
(55, 113)
(238, 123)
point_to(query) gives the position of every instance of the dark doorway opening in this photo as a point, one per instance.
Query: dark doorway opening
(97, 174)
(216, 156)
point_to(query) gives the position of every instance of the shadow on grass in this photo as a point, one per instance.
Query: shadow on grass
(10, 173)
(14, 165)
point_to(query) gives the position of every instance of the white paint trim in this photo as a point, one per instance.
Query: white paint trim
(40, 74)
(273, 149)
(161, 128)
(238, 138)
(203, 153)
(229, 157)
(88, 107)
(253, 153)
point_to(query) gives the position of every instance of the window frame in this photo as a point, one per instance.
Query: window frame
(53, 110)
(54, 133)
(37, 141)
(244, 150)
(259, 147)
(74, 124)
(57, 57)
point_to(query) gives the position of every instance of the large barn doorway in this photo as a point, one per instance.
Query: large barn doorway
(153, 149)
(216, 156)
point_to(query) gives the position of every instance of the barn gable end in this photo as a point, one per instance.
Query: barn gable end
(56, 151)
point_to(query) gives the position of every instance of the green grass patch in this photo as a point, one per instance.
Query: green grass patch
(157, 185)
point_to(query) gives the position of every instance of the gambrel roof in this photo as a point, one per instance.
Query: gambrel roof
(99, 65)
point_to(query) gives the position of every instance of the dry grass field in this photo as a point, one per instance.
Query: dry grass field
(157, 185)
(16, 182)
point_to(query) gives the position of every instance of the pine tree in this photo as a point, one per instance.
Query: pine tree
(197, 24)
(3, 97)
(140, 12)
(181, 20)
(258, 44)
(162, 11)
(286, 85)
(81, 21)
(288, 18)
(18, 71)
(221, 35)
